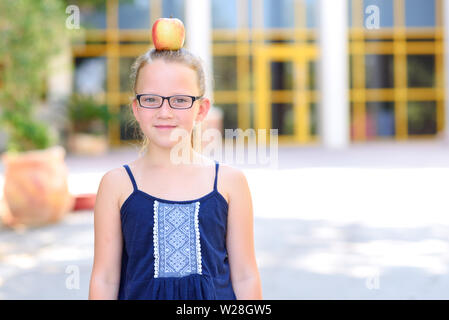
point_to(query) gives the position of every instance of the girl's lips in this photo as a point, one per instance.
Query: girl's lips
(165, 127)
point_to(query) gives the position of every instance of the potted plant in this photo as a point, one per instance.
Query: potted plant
(87, 125)
(36, 177)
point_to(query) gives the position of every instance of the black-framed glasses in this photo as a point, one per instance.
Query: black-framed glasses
(154, 101)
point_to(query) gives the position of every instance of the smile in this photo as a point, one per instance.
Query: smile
(165, 127)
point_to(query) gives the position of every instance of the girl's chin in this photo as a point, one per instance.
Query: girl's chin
(165, 142)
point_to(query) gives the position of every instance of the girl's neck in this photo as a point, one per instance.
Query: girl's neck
(156, 156)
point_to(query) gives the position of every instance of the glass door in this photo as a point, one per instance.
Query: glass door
(284, 91)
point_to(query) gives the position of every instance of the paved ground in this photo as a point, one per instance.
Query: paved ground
(368, 222)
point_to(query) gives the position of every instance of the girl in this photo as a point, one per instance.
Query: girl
(165, 230)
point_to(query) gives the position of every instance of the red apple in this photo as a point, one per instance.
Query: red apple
(168, 34)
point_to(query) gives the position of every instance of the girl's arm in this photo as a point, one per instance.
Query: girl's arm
(105, 278)
(240, 238)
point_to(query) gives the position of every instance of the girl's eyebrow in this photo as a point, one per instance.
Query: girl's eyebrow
(174, 94)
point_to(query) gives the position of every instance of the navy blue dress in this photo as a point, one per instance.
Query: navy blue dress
(174, 250)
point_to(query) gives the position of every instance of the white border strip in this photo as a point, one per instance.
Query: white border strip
(156, 239)
(198, 244)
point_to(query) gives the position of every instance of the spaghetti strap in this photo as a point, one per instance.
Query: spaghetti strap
(216, 174)
(131, 176)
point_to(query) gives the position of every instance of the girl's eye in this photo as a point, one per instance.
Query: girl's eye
(150, 100)
(181, 100)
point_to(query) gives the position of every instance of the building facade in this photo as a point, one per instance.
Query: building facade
(265, 55)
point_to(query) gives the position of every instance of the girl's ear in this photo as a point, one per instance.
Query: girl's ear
(134, 108)
(203, 109)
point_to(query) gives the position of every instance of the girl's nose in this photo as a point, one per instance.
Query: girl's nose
(165, 109)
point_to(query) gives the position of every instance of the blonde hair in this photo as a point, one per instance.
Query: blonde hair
(181, 56)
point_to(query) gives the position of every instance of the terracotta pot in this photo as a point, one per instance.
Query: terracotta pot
(5, 214)
(36, 187)
(87, 144)
(85, 201)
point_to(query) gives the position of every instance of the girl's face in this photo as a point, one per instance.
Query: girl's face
(168, 79)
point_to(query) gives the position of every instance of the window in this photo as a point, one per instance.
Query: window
(380, 119)
(279, 13)
(92, 16)
(225, 72)
(421, 117)
(379, 71)
(224, 14)
(230, 120)
(282, 75)
(173, 8)
(282, 118)
(419, 13)
(421, 71)
(134, 14)
(385, 12)
(90, 75)
(125, 71)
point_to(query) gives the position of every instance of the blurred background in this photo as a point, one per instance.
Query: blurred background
(355, 208)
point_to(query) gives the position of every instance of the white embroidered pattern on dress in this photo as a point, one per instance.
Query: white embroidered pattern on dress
(176, 238)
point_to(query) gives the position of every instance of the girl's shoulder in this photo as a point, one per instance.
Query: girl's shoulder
(228, 172)
(235, 185)
(114, 183)
(231, 173)
(230, 178)
(115, 176)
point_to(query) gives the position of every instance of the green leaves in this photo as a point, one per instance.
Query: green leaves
(87, 115)
(31, 33)
(25, 132)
